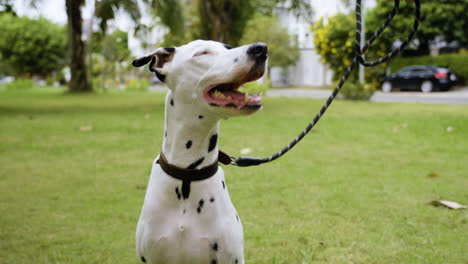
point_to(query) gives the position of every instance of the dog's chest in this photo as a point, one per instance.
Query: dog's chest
(197, 229)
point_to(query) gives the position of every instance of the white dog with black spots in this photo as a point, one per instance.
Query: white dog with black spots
(187, 220)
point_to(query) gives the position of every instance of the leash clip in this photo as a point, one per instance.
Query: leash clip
(233, 161)
(226, 159)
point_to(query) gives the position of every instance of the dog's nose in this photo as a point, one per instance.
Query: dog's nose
(257, 50)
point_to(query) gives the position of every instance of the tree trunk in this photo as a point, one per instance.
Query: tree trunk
(223, 20)
(79, 81)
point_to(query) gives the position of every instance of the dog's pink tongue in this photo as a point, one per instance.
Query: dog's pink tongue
(241, 99)
(237, 98)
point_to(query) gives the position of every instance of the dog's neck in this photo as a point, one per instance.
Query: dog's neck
(190, 137)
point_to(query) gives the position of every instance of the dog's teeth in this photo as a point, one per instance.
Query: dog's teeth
(218, 94)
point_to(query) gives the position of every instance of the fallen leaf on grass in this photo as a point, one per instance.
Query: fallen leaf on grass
(245, 151)
(397, 128)
(433, 174)
(86, 128)
(448, 204)
(140, 187)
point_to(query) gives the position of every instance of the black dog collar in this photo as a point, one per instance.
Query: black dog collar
(189, 175)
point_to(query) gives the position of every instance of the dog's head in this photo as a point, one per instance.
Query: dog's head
(210, 73)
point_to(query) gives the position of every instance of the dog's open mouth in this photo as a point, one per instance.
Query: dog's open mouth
(228, 95)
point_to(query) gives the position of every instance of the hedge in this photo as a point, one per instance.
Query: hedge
(457, 63)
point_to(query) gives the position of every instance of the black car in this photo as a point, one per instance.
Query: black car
(420, 78)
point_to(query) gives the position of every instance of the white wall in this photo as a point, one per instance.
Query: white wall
(308, 71)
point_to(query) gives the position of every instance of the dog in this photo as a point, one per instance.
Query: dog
(187, 215)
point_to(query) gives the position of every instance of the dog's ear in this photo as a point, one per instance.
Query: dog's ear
(159, 61)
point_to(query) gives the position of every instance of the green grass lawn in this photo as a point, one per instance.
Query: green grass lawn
(356, 190)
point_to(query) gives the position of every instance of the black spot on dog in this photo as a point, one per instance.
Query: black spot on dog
(224, 185)
(214, 261)
(200, 117)
(236, 59)
(200, 205)
(143, 259)
(165, 133)
(178, 193)
(172, 102)
(171, 49)
(188, 144)
(236, 261)
(213, 141)
(185, 189)
(157, 161)
(184, 211)
(212, 199)
(237, 217)
(195, 164)
(227, 46)
(214, 246)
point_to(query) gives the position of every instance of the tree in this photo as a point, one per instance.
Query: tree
(283, 48)
(440, 18)
(6, 7)
(109, 53)
(224, 21)
(79, 81)
(25, 52)
(113, 47)
(105, 10)
(220, 20)
(334, 41)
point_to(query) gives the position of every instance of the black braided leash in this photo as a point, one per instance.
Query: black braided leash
(359, 58)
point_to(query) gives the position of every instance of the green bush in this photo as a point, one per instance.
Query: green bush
(283, 47)
(97, 83)
(50, 81)
(31, 47)
(355, 91)
(18, 84)
(455, 62)
(374, 75)
(137, 85)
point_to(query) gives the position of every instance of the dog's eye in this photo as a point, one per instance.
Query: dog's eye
(200, 53)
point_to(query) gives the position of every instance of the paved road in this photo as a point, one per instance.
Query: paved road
(455, 96)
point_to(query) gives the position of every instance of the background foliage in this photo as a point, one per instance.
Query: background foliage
(334, 42)
(30, 46)
(355, 91)
(440, 18)
(283, 48)
(220, 20)
(334, 37)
